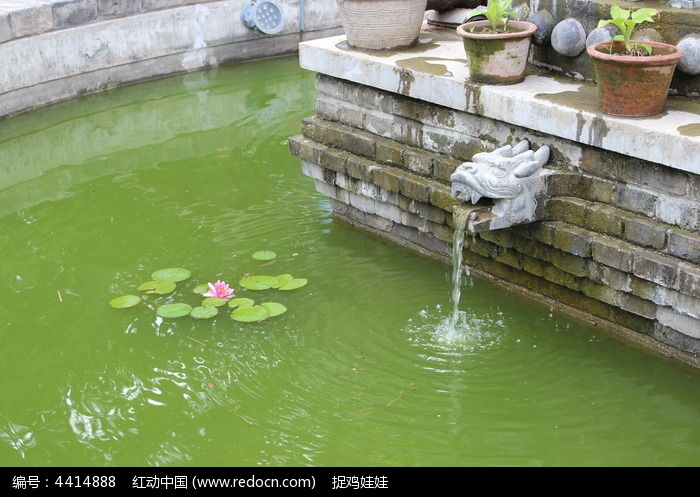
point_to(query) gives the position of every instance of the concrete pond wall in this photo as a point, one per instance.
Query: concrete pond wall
(619, 239)
(55, 50)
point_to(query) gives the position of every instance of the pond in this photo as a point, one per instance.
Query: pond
(194, 172)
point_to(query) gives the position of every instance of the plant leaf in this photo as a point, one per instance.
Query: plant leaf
(250, 314)
(201, 289)
(264, 255)
(241, 302)
(174, 310)
(174, 274)
(274, 308)
(214, 302)
(294, 284)
(204, 312)
(260, 282)
(125, 301)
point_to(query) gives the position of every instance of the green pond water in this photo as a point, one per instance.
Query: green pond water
(194, 171)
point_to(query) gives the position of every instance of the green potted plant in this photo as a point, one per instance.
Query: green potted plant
(382, 24)
(497, 48)
(633, 77)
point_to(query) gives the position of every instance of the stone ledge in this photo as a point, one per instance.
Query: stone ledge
(436, 71)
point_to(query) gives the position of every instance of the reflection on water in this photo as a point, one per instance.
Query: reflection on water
(194, 172)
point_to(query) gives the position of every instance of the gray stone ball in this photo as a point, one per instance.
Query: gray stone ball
(647, 34)
(690, 62)
(606, 33)
(569, 37)
(545, 23)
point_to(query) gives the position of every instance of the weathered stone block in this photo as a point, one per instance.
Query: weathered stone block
(657, 268)
(443, 168)
(360, 168)
(635, 305)
(619, 280)
(644, 232)
(5, 29)
(415, 187)
(380, 124)
(534, 266)
(603, 219)
(387, 179)
(352, 116)
(117, 8)
(31, 21)
(543, 231)
(600, 292)
(562, 278)
(635, 199)
(358, 143)
(572, 239)
(389, 152)
(503, 238)
(570, 263)
(335, 160)
(679, 322)
(328, 108)
(678, 212)
(689, 279)
(676, 339)
(568, 209)
(74, 13)
(613, 253)
(685, 245)
(441, 198)
(419, 162)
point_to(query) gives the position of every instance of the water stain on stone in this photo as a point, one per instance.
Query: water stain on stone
(585, 98)
(428, 65)
(690, 129)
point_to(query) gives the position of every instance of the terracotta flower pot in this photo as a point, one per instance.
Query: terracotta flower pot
(497, 58)
(633, 86)
(382, 24)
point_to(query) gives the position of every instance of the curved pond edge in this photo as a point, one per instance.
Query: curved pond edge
(56, 50)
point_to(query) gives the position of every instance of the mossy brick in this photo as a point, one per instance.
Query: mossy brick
(635, 199)
(387, 179)
(543, 231)
(534, 266)
(443, 168)
(335, 160)
(636, 305)
(357, 143)
(563, 184)
(657, 268)
(663, 179)
(441, 198)
(418, 162)
(380, 124)
(603, 219)
(533, 248)
(614, 278)
(676, 339)
(361, 168)
(378, 222)
(443, 232)
(503, 238)
(573, 239)
(613, 253)
(689, 279)
(600, 292)
(429, 212)
(685, 245)
(644, 232)
(600, 163)
(415, 187)
(389, 152)
(679, 212)
(556, 275)
(644, 289)
(597, 189)
(568, 209)
(439, 140)
(571, 264)
(510, 258)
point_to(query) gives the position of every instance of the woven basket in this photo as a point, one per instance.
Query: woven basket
(382, 24)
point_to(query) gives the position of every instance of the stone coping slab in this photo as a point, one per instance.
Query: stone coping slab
(436, 71)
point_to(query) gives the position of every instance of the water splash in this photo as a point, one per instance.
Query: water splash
(460, 218)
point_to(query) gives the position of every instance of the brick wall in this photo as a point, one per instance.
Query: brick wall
(621, 237)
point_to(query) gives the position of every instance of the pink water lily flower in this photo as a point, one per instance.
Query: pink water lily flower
(219, 289)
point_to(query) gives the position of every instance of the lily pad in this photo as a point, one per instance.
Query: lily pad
(201, 289)
(250, 314)
(274, 308)
(283, 279)
(260, 282)
(159, 286)
(294, 284)
(147, 286)
(241, 302)
(125, 301)
(264, 255)
(174, 310)
(214, 302)
(174, 274)
(204, 312)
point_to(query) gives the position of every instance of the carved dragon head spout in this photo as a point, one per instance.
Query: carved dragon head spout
(510, 175)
